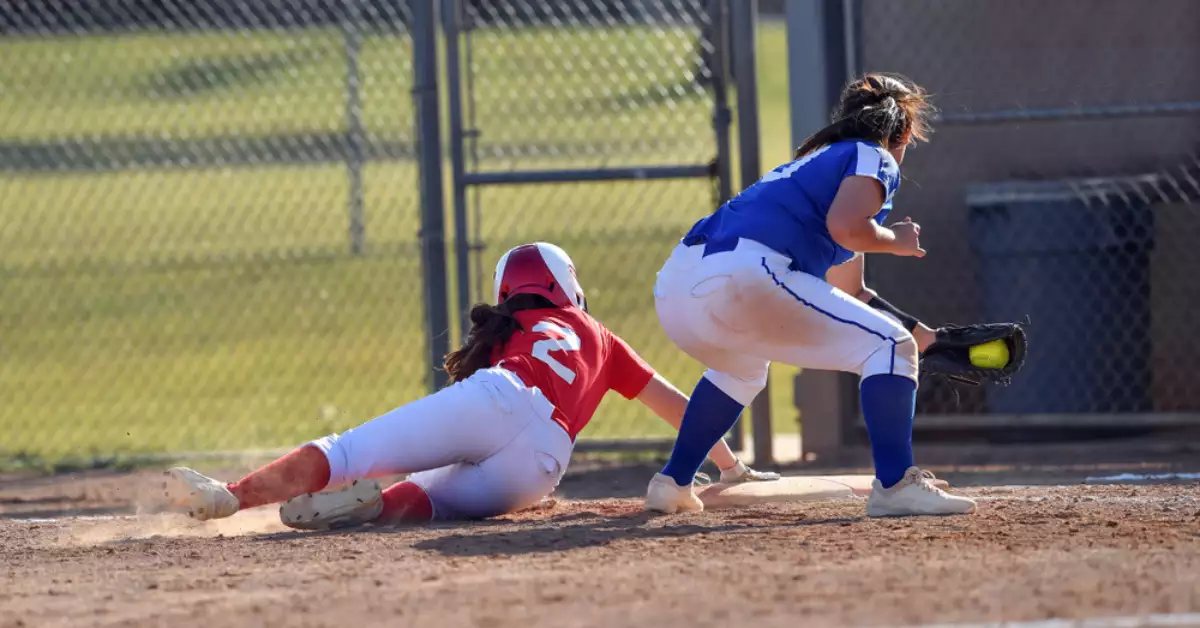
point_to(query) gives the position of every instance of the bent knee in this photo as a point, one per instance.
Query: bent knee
(896, 355)
(741, 387)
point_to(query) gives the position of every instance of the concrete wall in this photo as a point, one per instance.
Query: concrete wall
(986, 55)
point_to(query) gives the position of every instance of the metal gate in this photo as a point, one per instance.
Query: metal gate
(602, 127)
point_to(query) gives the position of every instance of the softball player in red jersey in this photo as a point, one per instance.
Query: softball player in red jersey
(528, 379)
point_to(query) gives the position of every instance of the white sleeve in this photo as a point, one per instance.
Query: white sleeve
(875, 163)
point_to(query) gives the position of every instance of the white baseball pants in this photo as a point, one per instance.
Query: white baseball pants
(479, 448)
(737, 311)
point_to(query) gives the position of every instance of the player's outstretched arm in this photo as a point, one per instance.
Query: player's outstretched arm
(950, 345)
(666, 401)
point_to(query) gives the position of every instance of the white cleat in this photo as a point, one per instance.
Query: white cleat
(353, 505)
(664, 495)
(916, 494)
(196, 495)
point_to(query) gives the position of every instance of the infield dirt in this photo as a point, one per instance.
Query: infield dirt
(73, 555)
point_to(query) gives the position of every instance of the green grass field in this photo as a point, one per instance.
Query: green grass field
(206, 309)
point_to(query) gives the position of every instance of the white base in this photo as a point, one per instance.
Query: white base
(803, 488)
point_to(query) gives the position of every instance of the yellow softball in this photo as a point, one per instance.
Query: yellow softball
(990, 355)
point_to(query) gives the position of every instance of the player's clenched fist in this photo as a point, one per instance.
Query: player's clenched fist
(907, 243)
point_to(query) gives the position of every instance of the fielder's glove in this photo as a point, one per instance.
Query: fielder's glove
(948, 355)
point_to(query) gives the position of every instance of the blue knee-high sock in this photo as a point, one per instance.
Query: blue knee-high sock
(709, 414)
(888, 404)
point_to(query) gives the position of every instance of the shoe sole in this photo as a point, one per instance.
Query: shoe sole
(343, 508)
(921, 514)
(665, 511)
(673, 508)
(180, 496)
(660, 510)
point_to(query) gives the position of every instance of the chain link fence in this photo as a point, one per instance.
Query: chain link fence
(210, 228)
(591, 125)
(208, 234)
(1062, 183)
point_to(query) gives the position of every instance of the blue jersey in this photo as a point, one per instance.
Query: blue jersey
(786, 209)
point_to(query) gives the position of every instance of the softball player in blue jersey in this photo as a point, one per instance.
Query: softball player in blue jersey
(776, 274)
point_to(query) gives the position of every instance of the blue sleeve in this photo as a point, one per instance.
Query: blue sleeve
(871, 161)
(883, 213)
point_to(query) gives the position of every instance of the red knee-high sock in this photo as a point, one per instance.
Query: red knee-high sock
(405, 502)
(304, 470)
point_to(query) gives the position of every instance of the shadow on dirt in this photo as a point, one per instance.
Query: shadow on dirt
(587, 530)
(568, 531)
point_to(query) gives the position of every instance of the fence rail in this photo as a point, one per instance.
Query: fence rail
(211, 227)
(223, 224)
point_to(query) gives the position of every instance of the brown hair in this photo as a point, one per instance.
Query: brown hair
(881, 108)
(491, 327)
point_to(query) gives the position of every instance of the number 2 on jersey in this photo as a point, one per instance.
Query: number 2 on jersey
(568, 342)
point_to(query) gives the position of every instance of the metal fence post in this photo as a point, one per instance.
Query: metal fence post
(452, 25)
(744, 26)
(821, 58)
(807, 90)
(469, 120)
(429, 148)
(355, 135)
(718, 65)
(840, 22)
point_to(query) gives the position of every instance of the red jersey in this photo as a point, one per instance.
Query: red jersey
(574, 361)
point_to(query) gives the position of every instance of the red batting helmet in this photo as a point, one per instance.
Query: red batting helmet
(539, 268)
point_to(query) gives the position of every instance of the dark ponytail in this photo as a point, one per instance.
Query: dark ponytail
(883, 108)
(491, 328)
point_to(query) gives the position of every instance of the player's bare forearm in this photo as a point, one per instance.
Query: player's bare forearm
(864, 236)
(851, 221)
(922, 333)
(925, 336)
(668, 402)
